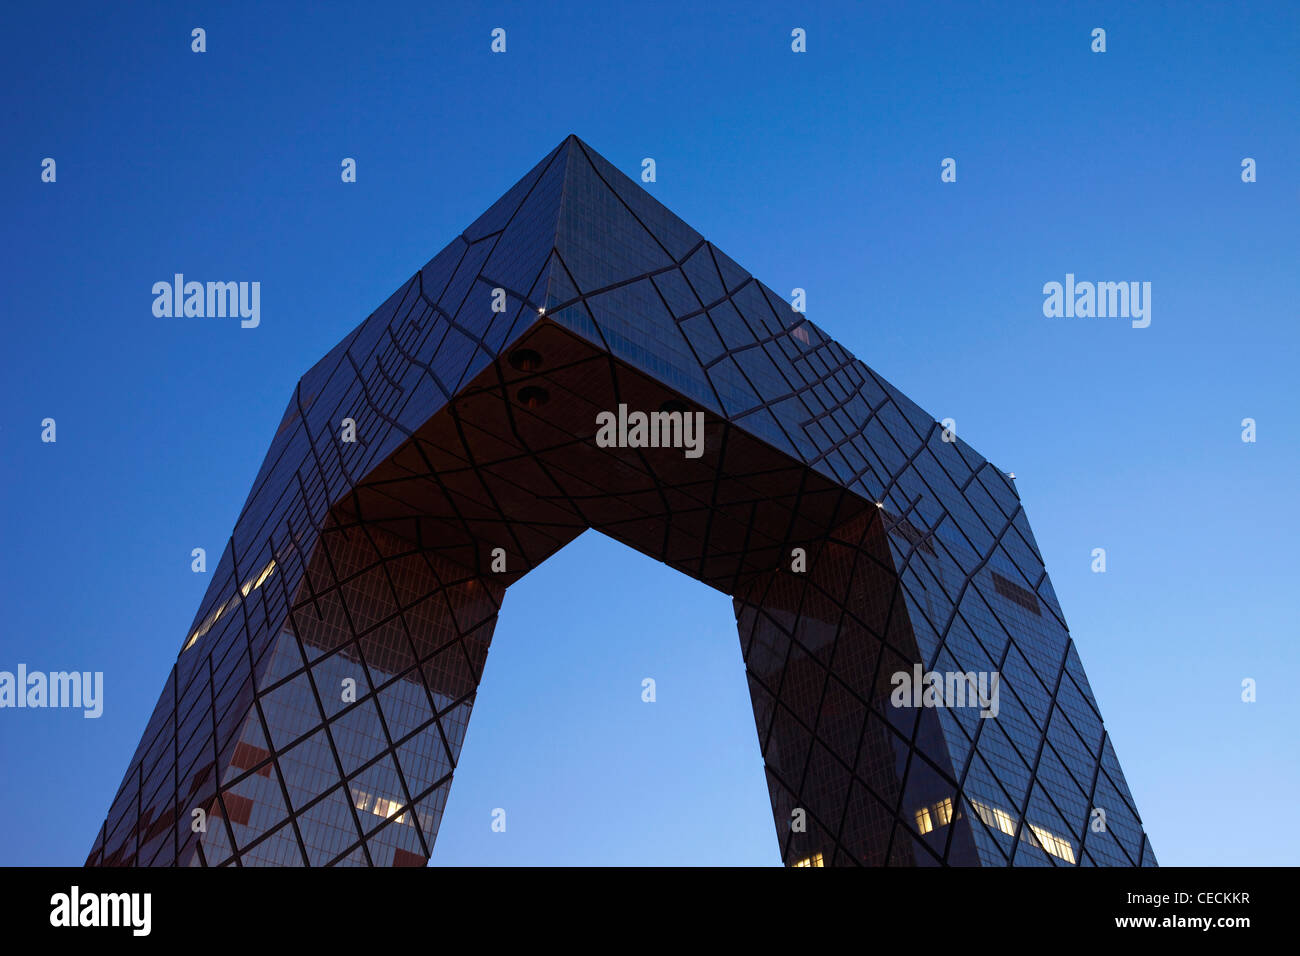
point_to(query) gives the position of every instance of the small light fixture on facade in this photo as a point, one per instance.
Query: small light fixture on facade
(525, 360)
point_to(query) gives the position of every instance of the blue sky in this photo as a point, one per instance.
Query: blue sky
(817, 170)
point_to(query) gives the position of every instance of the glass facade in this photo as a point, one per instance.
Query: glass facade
(319, 701)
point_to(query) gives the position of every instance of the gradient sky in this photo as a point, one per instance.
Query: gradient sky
(818, 170)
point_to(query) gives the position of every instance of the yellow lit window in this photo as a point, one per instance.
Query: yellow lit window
(994, 817)
(252, 584)
(205, 626)
(1049, 842)
(937, 815)
(382, 807)
(943, 811)
(814, 860)
(1053, 844)
(266, 573)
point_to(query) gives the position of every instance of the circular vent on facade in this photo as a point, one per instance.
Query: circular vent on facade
(531, 396)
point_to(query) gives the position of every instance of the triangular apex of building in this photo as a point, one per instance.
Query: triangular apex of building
(581, 358)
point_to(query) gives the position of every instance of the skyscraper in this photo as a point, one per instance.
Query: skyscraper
(581, 358)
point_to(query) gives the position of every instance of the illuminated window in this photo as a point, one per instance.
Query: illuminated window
(814, 860)
(379, 806)
(252, 584)
(1006, 823)
(206, 625)
(934, 816)
(388, 808)
(266, 573)
(994, 817)
(943, 811)
(1048, 841)
(1053, 844)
